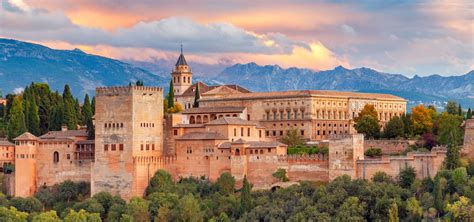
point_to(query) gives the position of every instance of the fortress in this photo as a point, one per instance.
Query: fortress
(233, 130)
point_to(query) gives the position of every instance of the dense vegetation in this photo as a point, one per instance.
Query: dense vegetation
(447, 197)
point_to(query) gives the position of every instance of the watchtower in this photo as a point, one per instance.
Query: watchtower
(25, 165)
(128, 128)
(182, 75)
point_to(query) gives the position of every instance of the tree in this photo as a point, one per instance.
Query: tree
(225, 184)
(67, 191)
(16, 123)
(87, 115)
(12, 215)
(395, 128)
(28, 204)
(373, 152)
(171, 95)
(32, 118)
(351, 210)
(421, 119)
(280, 174)
(382, 177)
(197, 96)
(368, 110)
(292, 138)
(462, 210)
(449, 129)
(160, 182)
(438, 194)
(138, 209)
(469, 113)
(460, 178)
(460, 113)
(159, 201)
(414, 210)
(451, 108)
(452, 159)
(393, 212)
(93, 105)
(368, 125)
(82, 216)
(69, 109)
(407, 176)
(245, 198)
(49, 216)
(190, 209)
(408, 125)
(139, 83)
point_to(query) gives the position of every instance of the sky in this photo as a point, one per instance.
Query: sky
(406, 37)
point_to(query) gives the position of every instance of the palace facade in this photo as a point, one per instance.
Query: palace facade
(233, 130)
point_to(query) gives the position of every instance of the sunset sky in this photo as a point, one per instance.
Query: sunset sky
(408, 37)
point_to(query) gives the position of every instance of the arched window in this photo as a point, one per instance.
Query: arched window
(55, 157)
(237, 152)
(191, 120)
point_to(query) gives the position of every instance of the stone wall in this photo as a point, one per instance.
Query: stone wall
(388, 147)
(425, 164)
(344, 151)
(468, 147)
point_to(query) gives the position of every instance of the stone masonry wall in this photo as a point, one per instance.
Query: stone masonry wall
(388, 147)
(468, 147)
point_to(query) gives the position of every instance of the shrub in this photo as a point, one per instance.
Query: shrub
(373, 152)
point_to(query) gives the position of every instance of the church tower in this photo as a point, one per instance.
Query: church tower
(182, 76)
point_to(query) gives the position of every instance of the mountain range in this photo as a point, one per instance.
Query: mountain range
(22, 63)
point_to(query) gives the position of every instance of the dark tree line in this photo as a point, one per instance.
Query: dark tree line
(39, 110)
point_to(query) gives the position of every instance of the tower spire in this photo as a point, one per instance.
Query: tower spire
(181, 48)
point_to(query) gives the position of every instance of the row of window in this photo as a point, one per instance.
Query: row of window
(25, 143)
(178, 79)
(281, 115)
(147, 146)
(329, 125)
(147, 125)
(280, 133)
(288, 103)
(113, 147)
(25, 156)
(113, 125)
(261, 151)
(329, 132)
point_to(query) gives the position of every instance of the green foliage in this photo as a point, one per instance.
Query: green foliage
(12, 215)
(160, 182)
(395, 128)
(82, 216)
(373, 152)
(414, 210)
(138, 209)
(438, 193)
(407, 176)
(452, 159)
(245, 198)
(351, 210)
(171, 95)
(28, 204)
(70, 115)
(469, 114)
(280, 174)
(382, 177)
(368, 125)
(225, 184)
(461, 210)
(292, 138)
(189, 209)
(87, 115)
(449, 129)
(16, 124)
(393, 213)
(452, 108)
(68, 191)
(48, 216)
(302, 149)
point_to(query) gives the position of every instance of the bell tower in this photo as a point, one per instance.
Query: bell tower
(182, 75)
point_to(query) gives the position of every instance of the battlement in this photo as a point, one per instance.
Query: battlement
(126, 89)
(302, 158)
(144, 160)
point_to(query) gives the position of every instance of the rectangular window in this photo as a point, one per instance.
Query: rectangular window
(175, 132)
(288, 114)
(242, 131)
(302, 132)
(274, 115)
(153, 146)
(268, 115)
(141, 147)
(281, 114)
(248, 132)
(267, 133)
(106, 147)
(113, 147)
(121, 147)
(281, 132)
(274, 133)
(260, 133)
(148, 147)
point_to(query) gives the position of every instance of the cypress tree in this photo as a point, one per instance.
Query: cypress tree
(171, 95)
(469, 114)
(438, 194)
(245, 198)
(197, 96)
(78, 111)
(93, 106)
(87, 114)
(69, 109)
(393, 212)
(452, 157)
(33, 118)
(459, 110)
(16, 123)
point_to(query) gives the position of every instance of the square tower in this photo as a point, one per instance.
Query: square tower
(128, 131)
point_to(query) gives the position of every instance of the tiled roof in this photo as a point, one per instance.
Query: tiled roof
(306, 93)
(202, 136)
(222, 109)
(203, 88)
(26, 136)
(64, 134)
(83, 142)
(252, 144)
(5, 142)
(220, 90)
(231, 121)
(181, 60)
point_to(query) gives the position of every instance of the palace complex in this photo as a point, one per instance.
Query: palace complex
(233, 130)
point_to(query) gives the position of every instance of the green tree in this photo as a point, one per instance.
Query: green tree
(368, 125)
(452, 159)
(408, 125)
(382, 177)
(225, 184)
(407, 176)
(393, 212)
(469, 114)
(93, 105)
(451, 108)
(87, 115)
(351, 210)
(368, 110)
(280, 174)
(462, 210)
(67, 191)
(12, 215)
(197, 97)
(32, 119)
(395, 128)
(16, 123)
(138, 209)
(28, 204)
(460, 113)
(190, 209)
(48, 216)
(460, 178)
(449, 129)
(414, 210)
(292, 138)
(171, 95)
(160, 182)
(70, 117)
(159, 201)
(82, 216)
(245, 198)
(438, 194)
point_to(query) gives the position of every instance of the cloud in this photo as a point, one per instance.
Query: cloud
(348, 30)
